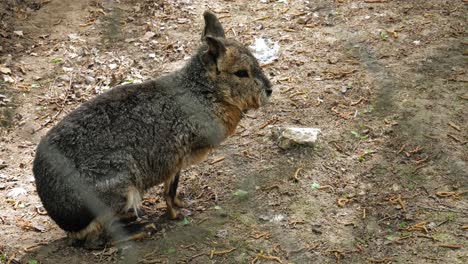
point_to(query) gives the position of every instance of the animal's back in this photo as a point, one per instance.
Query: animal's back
(133, 135)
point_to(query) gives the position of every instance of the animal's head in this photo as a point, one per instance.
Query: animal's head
(232, 68)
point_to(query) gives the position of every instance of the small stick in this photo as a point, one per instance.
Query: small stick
(418, 162)
(217, 160)
(269, 122)
(357, 102)
(454, 126)
(454, 138)
(260, 235)
(380, 260)
(296, 222)
(261, 18)
(296, 174)
(364, 213)
(270, 188)
(342, 201)
(213, 252)
(287, 90)
(195, 256)
(455, 195)
(451, 246)
(326, 187)
(30, 248)
(267, 257)
(296, 94)
(400, 201)
(401, 149)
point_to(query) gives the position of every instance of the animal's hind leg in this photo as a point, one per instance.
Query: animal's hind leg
(173, 192)
(170, 189)
(132, 210)
(92, 236)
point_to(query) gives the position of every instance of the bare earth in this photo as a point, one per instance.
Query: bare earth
(385, 81)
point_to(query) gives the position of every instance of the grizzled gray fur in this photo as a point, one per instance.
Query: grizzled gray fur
(96, 164)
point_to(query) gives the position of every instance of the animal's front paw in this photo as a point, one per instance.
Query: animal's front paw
(173, 213)
(179, 202)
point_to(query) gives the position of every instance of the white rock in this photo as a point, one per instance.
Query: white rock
(15, 192)
(5, 70)
(8, 79)
(73, 36)
(277, 218)
(288, 137)
(265, 50)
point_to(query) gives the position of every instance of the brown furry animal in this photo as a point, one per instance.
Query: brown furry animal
(98, 161)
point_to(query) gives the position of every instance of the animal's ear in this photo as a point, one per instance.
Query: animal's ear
(212, 26)
(216, 49)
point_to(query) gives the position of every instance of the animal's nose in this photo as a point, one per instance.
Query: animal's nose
(269, 91)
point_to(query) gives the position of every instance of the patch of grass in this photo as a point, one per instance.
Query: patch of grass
(383, 35)
(171, 251)
(359, 135)
(367, 153)
(403, 225)
(56, 60)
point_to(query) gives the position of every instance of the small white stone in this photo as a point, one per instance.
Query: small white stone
(288, 137)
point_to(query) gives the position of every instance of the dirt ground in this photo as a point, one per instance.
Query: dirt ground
(385, 81)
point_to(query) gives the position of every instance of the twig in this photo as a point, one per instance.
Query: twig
(456, 139)
(269, 122)
(296, 94)
(454, 195)
(380, 260)
(324, 187)
(217, 160)
(195, 256)
(267, 257)
(213, 252)
(454, 126)
(421, 226)
(343, 201)
(30, 248)
(296, 174)
(451, 246)
(260, 235)
(270, 188)
(287, 90)
(398, 200)
(357, 102)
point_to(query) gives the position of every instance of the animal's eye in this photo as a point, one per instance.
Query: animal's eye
(242, 74)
